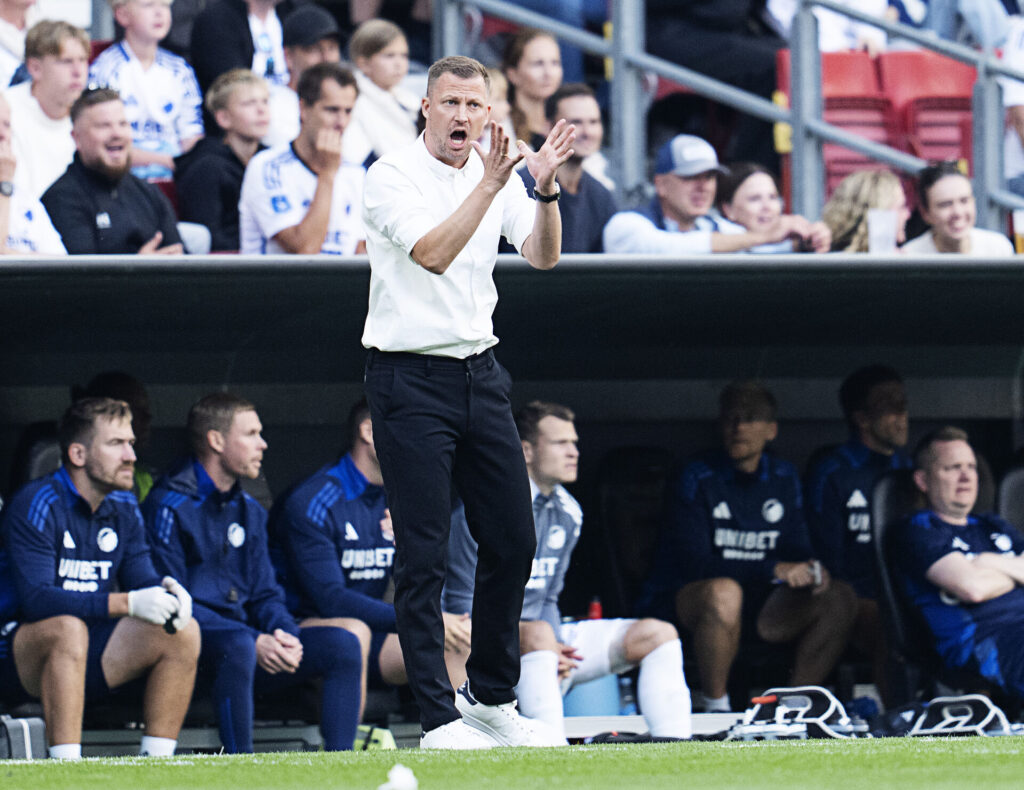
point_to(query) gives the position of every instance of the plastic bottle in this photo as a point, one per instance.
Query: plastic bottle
(595, 611)
(627, 698)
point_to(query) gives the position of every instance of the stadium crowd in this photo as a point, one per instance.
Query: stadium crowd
(114, 578)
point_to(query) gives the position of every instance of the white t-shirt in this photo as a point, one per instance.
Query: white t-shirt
(409, 193)
(29, 228)
(382, 121)
(1013, 96)
(284, 116)
(42, 146)
(268, 45)
(163, 103)
(984, 244)
(276, 192)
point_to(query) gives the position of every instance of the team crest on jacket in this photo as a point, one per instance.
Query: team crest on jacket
(1001, 541)
(236, 534)
(107, 539)
(772, 511)
(556, 537)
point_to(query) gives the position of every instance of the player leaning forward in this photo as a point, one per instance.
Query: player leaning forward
(440, 401)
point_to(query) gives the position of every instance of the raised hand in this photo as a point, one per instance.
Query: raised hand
(498, 162)
(556, 150)
(328, 150)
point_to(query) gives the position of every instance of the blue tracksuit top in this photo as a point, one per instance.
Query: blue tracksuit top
(724, 523)
(962, 631)
(838, 497)
(61, 558)
(329, 551)
(216, 545)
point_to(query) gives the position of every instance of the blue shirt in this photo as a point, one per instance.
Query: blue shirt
(215, 543)
(329, 550)
(961, 630)
(839, 511)
(64, 559)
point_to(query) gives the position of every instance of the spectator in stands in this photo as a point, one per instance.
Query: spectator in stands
(946, 199)
(334, 547)
(25, 227)
(302, 198)
(839, 488)
(579, 14)
(413, 16)
(984, 22)
(556, 656)
(1013, 100)
(846, 212)
(310, 37)
(98, 206)
(837, 32)
(16, 17)
(533, 66)
(963, 572)
(159, 89)
(240, 34)
(584, 203)
(385, 115)
(679, 220)
(735, 554)
(209, 178)
(57, 58)
(748, 195)
(201, 524)
(727, 40)
(501, 110)
(85, 609)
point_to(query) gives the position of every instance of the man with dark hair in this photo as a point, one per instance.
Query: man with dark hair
(98, 206)
(334, 547)
(735, 554)
(963, 572)
(557, 656)
(434, 211)
(84, 608)
(585, 203)
(838, 493)
(301, 198)
(203, 525)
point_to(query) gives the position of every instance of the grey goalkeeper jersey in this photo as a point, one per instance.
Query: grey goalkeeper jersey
(557, 519)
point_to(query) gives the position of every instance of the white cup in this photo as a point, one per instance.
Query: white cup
(882, 230)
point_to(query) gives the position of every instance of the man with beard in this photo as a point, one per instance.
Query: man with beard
(735, 554)
(98, 206)
(84, 610)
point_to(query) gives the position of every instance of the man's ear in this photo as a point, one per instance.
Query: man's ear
(920, 480)
(215, 439)
(77, 453)
(366, 431)
(773, 431)
(528, 452)
(34, 67)
(425, 107)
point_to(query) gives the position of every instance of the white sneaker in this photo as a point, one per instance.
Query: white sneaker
(456, 735)
(503, 722)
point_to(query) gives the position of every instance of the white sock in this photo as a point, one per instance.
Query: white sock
(538, 691)
(717, 704)
(662, 692)
(157, 747)
(66, 751)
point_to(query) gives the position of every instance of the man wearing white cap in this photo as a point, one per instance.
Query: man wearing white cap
(679, 220)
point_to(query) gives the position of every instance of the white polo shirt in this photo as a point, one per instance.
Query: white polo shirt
(276, 192)
(29, 228)
(984, 244)
(409, 193)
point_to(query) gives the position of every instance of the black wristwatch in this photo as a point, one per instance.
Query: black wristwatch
(6, 188)
(548, 198)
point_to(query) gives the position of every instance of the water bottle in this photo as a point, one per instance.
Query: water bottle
(627, 698)
(595, 611)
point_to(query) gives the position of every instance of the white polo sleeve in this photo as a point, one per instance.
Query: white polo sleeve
(395, 206)
(630, 232)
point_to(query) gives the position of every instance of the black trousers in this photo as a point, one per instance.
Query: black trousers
(438, 420)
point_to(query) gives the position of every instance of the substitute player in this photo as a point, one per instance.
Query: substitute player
(333, 546)
(300, 197)
(586, 649)
(440, 401)
(82, 610)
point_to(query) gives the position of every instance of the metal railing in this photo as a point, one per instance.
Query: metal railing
(626, 50)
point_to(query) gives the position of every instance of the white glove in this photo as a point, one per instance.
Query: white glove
(152, 604)
(184, 614)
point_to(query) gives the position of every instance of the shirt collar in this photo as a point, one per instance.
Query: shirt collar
(205, 486)
(70, 491)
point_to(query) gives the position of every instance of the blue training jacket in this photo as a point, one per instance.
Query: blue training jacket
(216, 545)
(61, 558)
(329, 551)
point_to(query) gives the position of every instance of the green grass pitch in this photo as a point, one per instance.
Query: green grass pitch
(906, 764)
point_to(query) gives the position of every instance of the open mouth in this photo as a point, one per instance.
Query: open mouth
(458, 137)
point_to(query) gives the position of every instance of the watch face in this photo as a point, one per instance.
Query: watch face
(6, 188)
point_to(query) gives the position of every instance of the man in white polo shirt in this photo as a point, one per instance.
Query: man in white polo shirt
(439, 400)
(300, 197)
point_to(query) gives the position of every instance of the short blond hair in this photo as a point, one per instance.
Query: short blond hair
(48, 37)
(223, 88)
(371, 37)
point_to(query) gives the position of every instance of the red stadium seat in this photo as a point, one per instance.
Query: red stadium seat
(97, 46)
(166, 185)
